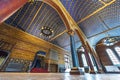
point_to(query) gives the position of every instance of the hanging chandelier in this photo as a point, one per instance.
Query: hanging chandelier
(46, 32)
(109, 41)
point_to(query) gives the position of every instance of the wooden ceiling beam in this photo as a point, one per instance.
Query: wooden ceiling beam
(102, 2)
(59, 35)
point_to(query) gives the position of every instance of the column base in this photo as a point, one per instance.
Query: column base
(100, 71)
(76, 71)
(92, 72)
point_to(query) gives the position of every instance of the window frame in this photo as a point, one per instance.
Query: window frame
(112, 57)
(84, 60)
(117, 49)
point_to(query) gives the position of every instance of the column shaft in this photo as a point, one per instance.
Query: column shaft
(88, 59)
(73, 52)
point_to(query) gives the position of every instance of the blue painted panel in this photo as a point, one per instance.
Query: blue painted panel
(41, 52)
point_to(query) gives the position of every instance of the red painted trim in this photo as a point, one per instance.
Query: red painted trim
(8, 7)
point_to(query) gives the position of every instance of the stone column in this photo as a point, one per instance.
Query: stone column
(73, 52)
(76, 69)
(89, 61)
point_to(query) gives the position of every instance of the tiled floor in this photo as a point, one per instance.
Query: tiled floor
(57, 76)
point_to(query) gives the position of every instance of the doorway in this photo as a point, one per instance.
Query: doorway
(53, 68)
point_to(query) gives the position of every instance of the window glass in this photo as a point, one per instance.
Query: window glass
(67, 62)
(112, 56)
(84, 60)
(117, 49)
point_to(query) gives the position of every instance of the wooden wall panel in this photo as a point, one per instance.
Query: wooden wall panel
(21, 54)
(26, 45)
(61, 59)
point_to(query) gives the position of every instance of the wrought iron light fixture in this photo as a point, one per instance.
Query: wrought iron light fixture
(47, 32)
(31, 1)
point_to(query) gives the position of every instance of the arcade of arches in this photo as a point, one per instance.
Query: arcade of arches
(51, 36)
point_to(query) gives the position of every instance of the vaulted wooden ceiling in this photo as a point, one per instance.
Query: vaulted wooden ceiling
(33, 16)
(96, 18)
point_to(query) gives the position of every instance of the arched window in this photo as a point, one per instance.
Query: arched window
(117, 49)
(112, 56)
(84, 60)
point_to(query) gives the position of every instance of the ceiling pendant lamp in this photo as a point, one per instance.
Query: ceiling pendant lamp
(46, 32)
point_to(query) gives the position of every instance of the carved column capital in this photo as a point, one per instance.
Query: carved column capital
(71, 32)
